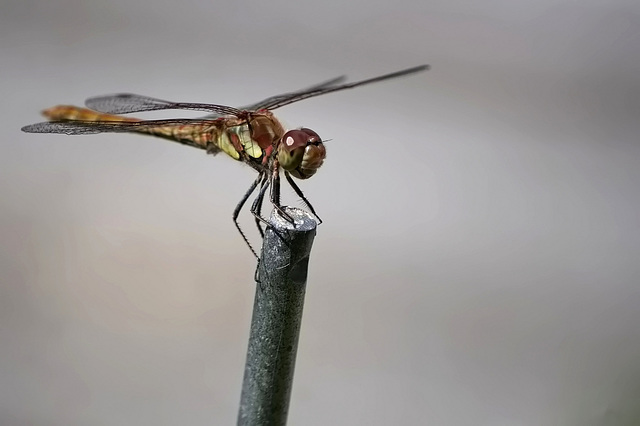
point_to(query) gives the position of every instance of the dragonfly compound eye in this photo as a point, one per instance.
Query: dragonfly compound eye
(313, 136)
(301, 153)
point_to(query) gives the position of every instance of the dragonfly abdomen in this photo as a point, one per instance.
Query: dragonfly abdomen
(196, 135)
(74, 113)
(200, 136)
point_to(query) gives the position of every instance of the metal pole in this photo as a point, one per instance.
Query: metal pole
(277, 314)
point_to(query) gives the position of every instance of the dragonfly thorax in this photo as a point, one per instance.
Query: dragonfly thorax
(265, 128)
(301, 153)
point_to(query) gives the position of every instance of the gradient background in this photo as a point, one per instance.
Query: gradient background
(479, 261)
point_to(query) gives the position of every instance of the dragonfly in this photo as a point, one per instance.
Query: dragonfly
(249, 134)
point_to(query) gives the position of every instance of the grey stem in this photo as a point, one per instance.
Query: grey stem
(277, 314)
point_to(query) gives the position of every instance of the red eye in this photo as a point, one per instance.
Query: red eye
(313, 136)
(295, 139)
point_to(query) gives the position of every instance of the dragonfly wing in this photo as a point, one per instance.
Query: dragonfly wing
(92, 127)
(279, 101)
(124, 103)
(64, 127)
(272, 99)
(260, 105)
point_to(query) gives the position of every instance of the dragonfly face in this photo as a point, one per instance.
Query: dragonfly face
(250, 134)
(301, 153)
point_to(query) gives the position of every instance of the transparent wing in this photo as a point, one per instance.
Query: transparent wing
(260, 105)
(92, 127)
(124, 103)
(279, 101)
(272, 99)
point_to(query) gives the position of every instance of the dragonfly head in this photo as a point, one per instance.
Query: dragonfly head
(301, 153)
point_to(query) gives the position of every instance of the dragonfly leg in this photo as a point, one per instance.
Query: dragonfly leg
(275, 193)
(301, 195)
(236, 211)
(256, 206)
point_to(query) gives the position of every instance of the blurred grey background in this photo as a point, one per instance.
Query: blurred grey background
(479, 260)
